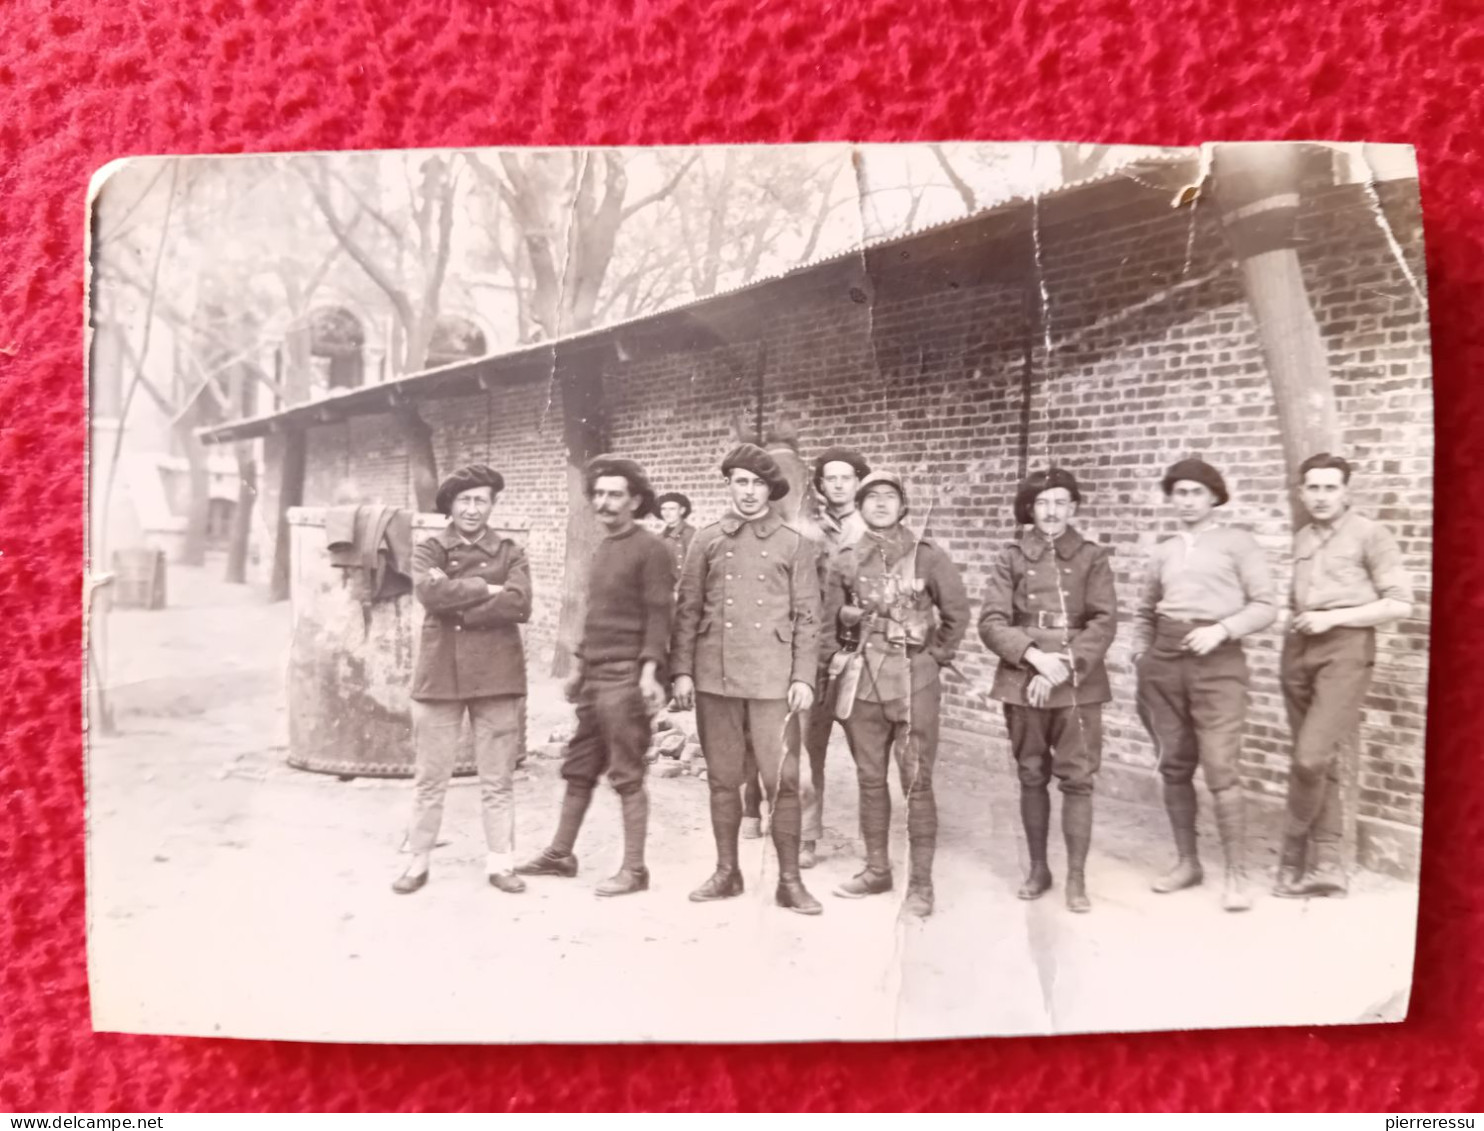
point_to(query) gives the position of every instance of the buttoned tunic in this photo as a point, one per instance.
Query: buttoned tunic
(471, 646)
(1061, 601)
(747, 614)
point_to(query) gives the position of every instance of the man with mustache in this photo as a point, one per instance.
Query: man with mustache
(618, 681)
(1347, 579)
(476, 589)
(744, 654)
(1050, 614)
(1206, 588)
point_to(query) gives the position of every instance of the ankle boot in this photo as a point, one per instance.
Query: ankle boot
(1292, 858)
(1035, 817)
(726, 818)
(792, 893)
(1180, 804)
(1327, 879)
(1076, 828)
(875, 878)
(919, 900)
(1231, 824)
(633, 875)
(574, 808)
(547, 862)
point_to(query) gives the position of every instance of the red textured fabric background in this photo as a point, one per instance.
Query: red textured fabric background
(83, 83)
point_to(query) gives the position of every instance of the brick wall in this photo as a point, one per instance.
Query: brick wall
(1146, 353)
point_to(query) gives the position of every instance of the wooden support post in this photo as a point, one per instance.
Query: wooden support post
(1257, 188)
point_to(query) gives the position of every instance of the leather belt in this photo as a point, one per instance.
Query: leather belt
(1042, 619)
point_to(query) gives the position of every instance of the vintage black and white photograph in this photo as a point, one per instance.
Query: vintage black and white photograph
(772, 593)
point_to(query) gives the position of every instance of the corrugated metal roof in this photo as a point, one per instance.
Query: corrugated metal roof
(1166, 172)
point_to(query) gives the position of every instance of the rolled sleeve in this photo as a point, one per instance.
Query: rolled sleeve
(1383, 560)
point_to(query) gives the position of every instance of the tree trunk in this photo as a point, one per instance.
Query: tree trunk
(247, 494)
(290, 494)
(198, 512)
(583, 432)
(422, 460)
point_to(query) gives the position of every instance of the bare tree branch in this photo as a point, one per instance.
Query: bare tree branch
(400, 303)
(961, 186)
(662, 192)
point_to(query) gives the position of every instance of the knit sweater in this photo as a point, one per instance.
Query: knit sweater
(630, 599)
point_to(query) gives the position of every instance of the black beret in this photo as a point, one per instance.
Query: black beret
(466, 479)
(1037, 482)
(1196, 471)
(750, 457)
(841, 455)
(675, 497)
(600, 466)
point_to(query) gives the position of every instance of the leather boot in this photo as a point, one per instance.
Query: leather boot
(808, 857)
(1180, 804)
(558, 860)
(1231, 824)
(792, 893)
(633, 875)
(548, 863)
(1292, 858)
(1035, 817)
(875, 878)
(574, 808)
(1076, 828)
(726, 818)
(919, 900)
(1327, 879)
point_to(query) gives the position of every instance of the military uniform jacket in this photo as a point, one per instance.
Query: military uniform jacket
(747, 613)
(471, 646)
(1060, 600)
(916, 610)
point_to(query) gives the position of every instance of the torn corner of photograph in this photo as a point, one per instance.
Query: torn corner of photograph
(755, 594)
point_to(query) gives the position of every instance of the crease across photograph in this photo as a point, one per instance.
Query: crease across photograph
(819, 592)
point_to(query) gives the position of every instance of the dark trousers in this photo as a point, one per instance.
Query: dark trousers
(1061, 742)
(1324, 679)
(1194, 707)
(815, 725)
(612, 729)
(906, 729)
(735, 731)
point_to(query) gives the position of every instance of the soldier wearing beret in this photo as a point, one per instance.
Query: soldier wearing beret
(620, 669)
(1050, 612)
(674, 509)
(901, 601)
(744, 653)
(1347, 579)
(1205, 589)
(476, 590)
(836, 477)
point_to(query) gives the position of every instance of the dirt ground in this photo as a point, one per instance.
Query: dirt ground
(232, 895)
